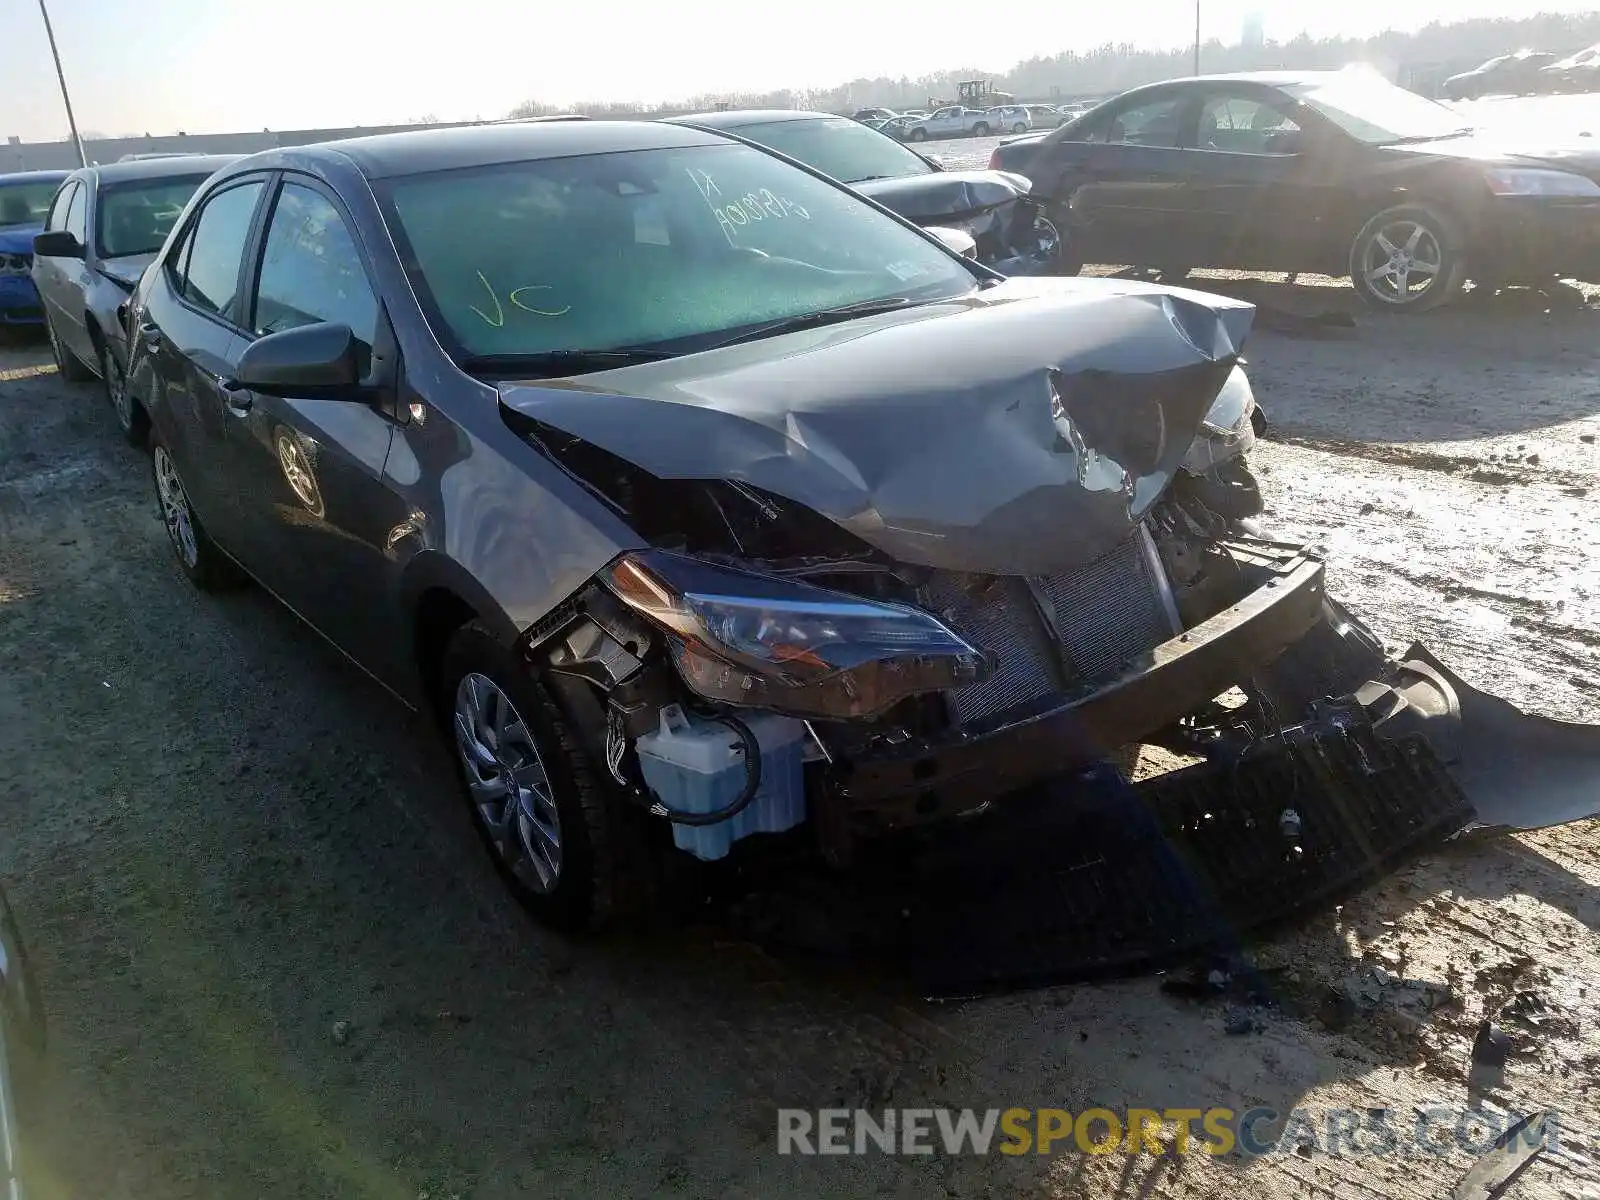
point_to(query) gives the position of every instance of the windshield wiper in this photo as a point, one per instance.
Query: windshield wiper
(813, 320)
(1418, 138)
(550, 364)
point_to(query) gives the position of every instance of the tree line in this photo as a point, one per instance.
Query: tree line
(1422, 55)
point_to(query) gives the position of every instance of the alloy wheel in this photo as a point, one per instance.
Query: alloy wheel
(175, 511)
(509, 786)
(1402, 262)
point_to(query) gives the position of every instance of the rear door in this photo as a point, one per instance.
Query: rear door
(316, 516)
(191, 331)
(1123, 185)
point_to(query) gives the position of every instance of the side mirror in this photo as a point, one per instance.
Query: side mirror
(957, 241)
(58, 243)
(313, 362)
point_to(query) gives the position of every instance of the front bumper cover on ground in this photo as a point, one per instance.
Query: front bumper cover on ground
(1085, 875)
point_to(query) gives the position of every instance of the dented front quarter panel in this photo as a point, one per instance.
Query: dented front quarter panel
(1024, 429)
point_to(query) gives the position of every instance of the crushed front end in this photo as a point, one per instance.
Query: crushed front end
(859, 681)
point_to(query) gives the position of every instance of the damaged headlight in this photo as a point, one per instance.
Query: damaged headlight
(762, 642)
(1228, 429)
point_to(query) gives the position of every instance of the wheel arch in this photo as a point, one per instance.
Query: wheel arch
(439, 596)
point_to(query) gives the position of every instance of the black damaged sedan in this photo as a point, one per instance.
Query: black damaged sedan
(704, 503)
(1327, 172)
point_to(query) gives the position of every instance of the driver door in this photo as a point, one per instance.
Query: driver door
(314, 511)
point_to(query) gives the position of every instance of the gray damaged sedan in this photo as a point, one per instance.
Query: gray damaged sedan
(708, 506)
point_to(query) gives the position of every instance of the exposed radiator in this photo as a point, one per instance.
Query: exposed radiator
(1108, 613)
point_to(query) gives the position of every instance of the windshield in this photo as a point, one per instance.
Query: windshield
(135, 218)
(844, 149)
(673, 249)
(26, 203)
(1373, 111)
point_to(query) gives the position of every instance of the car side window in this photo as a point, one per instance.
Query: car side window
(57, 218)
(75, 224)
(1157, 123)
(311, 270)
(1240, 125)
(214, 249)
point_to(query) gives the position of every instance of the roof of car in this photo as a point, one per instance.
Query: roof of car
(420, 151)
(33, 176)
(736, 117)
(159, 168)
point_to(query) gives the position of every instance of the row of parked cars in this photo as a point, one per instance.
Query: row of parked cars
(959, 120)
(1528, 73)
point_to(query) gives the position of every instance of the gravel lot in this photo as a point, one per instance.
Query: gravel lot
(278, 965)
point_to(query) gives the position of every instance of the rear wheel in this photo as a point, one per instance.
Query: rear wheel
(917, 135)
(207, 567)
(568, 846)
(67, 364)
(1407, 259)
(1019, 127)
(981, 129)
(131, 418)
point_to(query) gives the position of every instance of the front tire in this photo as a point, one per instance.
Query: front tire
(564, 842)
(1408, 259)
(205, 565)
(67, 364)
(130, 414)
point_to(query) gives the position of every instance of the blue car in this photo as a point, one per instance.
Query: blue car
(24, 201)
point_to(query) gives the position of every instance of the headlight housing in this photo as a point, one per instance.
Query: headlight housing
(1227, 431)
(759, 641)
(1527, 181)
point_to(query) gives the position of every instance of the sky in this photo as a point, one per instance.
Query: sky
(215, 66)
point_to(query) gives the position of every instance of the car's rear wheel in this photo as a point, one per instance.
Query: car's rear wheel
(207, 567)
(1408, 259)
(131, 418)
(980, 130)
(67, 364)
(917, 135)
(568, 846)
(1019, 127)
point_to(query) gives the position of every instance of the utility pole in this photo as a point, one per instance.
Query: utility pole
(72, 122)
(1196, 37)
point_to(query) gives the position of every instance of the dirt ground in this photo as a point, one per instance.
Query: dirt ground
(277, 963)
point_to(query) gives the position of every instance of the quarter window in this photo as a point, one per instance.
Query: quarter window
(311, 270)
(215, 249)
(1241, 126)
(75, 223)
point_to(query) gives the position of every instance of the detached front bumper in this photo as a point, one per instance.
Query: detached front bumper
(1530, 237)
(910, 782)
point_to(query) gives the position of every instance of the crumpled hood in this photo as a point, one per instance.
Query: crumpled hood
(128, 268)
(18, 239)
(1022, 430)
(944, 193)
